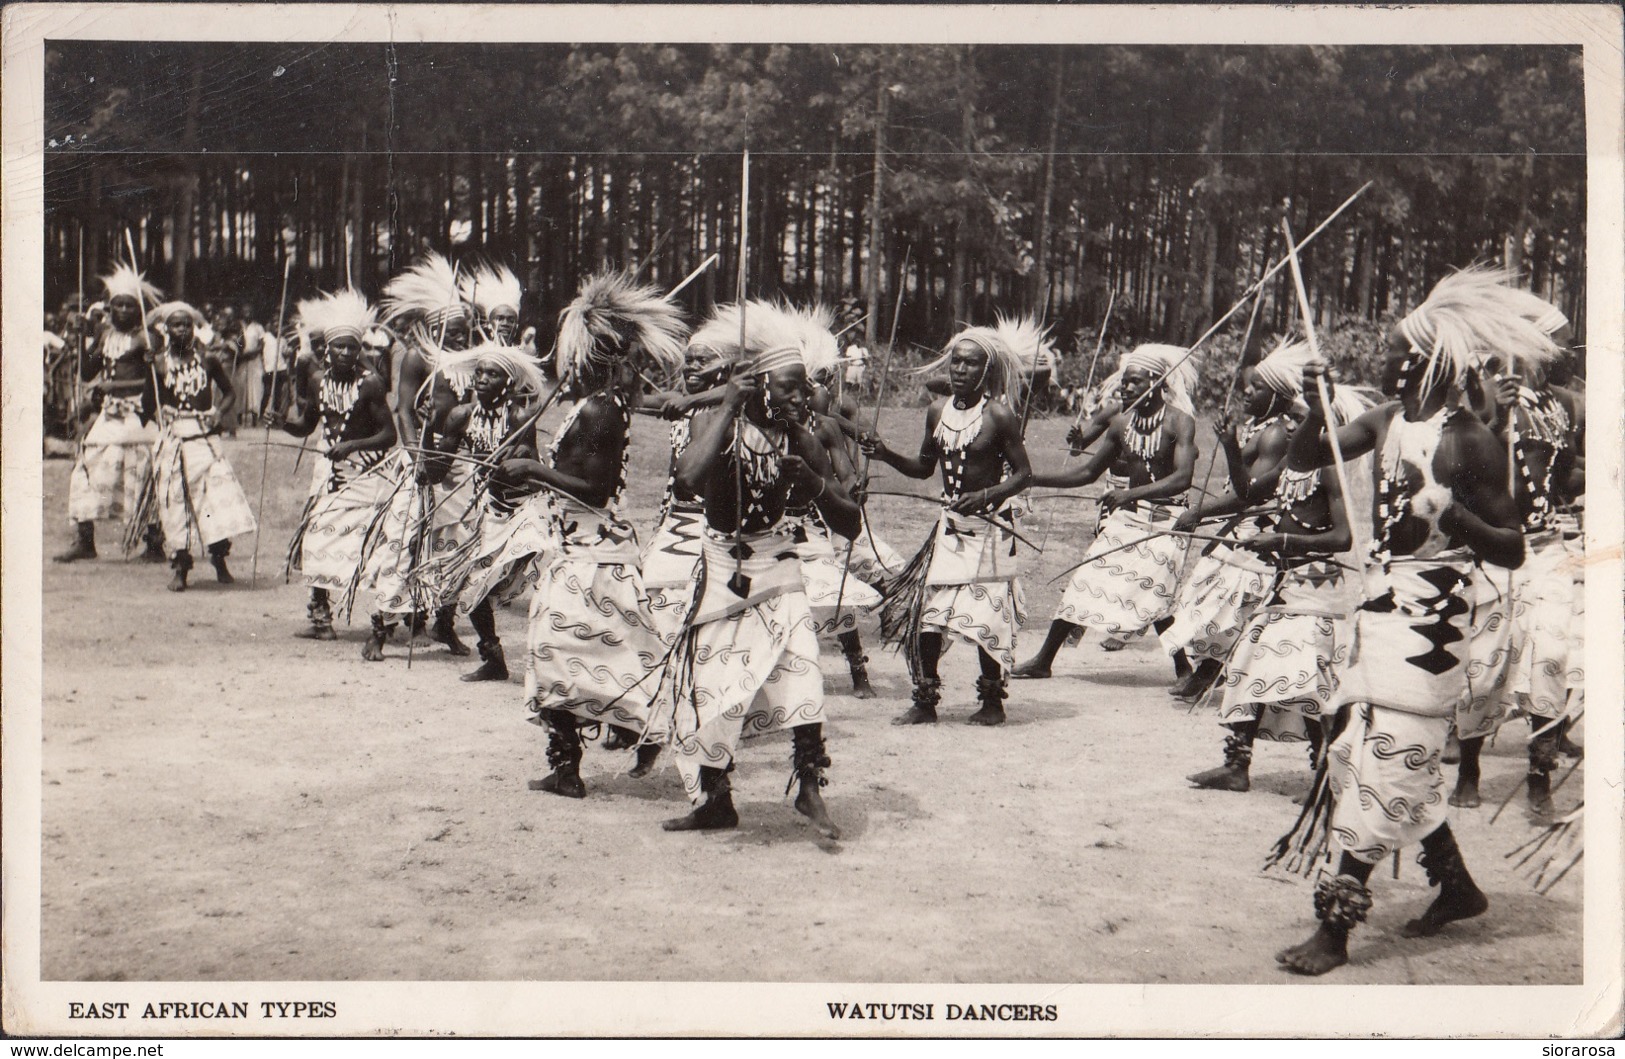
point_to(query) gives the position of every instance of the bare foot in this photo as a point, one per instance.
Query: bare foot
(1030, 670)
(1223, 778)
(648, 753)
(221, 574)
(1466, 795)
(916, 715)
(178, 583)
(715, 815)
(567, 785)
(862, 689)
(317, 632)
(1456, 903)
(987, 717)
(373, 650)
(810, 803)
(1323, 951)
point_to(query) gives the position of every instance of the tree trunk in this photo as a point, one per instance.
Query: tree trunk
(1039, 280)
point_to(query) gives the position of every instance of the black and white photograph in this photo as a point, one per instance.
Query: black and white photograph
(812, 521)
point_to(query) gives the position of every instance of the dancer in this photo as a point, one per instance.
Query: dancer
(198, 494)
(336, 394)
(834, 594)
(115, 457)
(425, 306)
(593, 650)
(964, 579)
(513, 531)
(1150, 447)
(1283, 669)
(1537, 601)
(673, 555)
(495, 292)
(1441, 505)
(1218, 595)
(748, 661)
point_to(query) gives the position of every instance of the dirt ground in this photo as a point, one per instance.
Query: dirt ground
(225, 802)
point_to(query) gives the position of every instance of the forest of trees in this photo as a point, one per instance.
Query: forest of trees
(979, 177)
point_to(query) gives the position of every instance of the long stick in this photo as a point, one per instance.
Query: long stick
(1100, 344)
(692, 276)
(265, 456)
(739, 464)
(79, 356)
(1257, 286)
(1325, 400)
(880, 403)
(1229, 395)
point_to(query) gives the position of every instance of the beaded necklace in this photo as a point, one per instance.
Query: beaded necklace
(1544, 421)
(759, 457)
(681, 433)
(185, 378)
(1408, 443)
(957, 429)
(338, 402)
(1144, 436)
(116, 345)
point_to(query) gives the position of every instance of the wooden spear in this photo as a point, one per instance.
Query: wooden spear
(265, 456)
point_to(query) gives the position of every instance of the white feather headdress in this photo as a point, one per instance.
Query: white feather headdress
(613, 317)
(1170, 368)
(125, 281)
(1282, 371)
(490, 288)
(819, 348)
(425, 296)
(1029, 341)
(347, 314)
(1473, 315)
(162, 313)
(521, 368)
(718, 336)
(1004, 365)
(309, 315)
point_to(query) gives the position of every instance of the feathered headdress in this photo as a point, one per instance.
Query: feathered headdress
(425, 296)
(490, 288)
(521, 368)
(1004, 365)
(1170, 368)
(162, 313)
(1029, 341)
(1282, 371)
(309, 315)
(717, 337)
(1473, 315)
(613, 317)
(124, 281)
(819, 347)
(347, 314)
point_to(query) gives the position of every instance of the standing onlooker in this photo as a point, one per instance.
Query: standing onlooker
(857, 365)
(274, 371)
(248, 375)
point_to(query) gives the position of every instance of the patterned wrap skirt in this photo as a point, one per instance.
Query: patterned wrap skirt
(972, 591)
(1404, 687)
(592, 650)
(1126, 592)
(112, 468)
(1284, 668)
(671, 565)
(1543, 590)
(749, 662)
(834, 596)
(199, 498)
(1216, 602)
